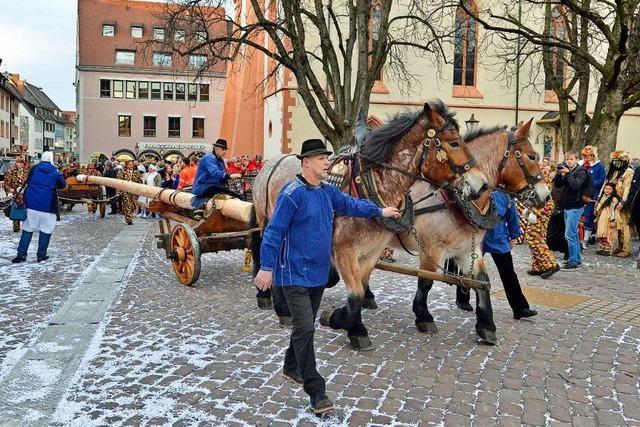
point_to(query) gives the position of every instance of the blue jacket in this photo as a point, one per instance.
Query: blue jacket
(40, 193)
(598, 176)
(211, 172)
(496, 241)
(297, 243)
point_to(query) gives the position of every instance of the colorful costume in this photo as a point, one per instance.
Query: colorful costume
(129, 200)
(609, 223)
(621, 174)
(13, 181)
(535, 223)
(91, 171)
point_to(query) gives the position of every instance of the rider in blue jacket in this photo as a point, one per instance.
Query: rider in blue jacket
(296, 254)
(212, 175)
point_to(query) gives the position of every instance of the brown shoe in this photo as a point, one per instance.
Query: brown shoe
(623, 254)
(294, 377)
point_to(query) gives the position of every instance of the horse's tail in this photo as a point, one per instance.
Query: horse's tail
(256, 242)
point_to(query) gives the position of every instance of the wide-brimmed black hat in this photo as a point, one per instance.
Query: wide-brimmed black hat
(313, 147)
(221, 143)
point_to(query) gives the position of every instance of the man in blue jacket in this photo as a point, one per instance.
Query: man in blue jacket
(498, 242)
(296, 254)
(212, 175)
(41, 201)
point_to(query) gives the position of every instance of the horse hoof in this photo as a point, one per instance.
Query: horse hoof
(361, 343)
(487, 336)
(369, 303)
(285, 321)
(427, 327)
(264, 303)
(325, 318)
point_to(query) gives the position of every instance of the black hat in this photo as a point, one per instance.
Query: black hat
(312, 147)
(221, 143)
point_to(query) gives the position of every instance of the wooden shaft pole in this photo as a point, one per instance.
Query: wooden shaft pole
(431, 275)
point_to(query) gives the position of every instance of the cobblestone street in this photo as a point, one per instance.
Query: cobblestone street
(166, 354)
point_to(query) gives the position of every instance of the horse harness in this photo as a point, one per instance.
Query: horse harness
(527, 192)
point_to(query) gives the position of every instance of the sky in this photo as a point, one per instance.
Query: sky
(38, 41)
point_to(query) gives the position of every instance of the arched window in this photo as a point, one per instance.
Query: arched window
(465, 47)
(558, 66)
(374, 36)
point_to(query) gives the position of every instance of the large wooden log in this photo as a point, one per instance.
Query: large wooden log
(231, 208)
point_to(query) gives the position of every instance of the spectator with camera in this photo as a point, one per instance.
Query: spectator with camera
(571, 179)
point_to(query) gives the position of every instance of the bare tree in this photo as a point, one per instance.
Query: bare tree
(335, 49)
(602, 37)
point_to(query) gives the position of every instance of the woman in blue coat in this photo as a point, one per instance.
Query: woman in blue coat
(498, 242)
(41, 201)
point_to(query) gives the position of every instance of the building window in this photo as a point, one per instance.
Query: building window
(118, 88)
(168, 92)
(174, 127)
(143, 90)
(179, 35)
(193, 92)
(197, 61)
(131, 90)
(149, 123)
(125, 57)
(136, 32)
(180, 87)
(105, 88)
(158, 34)
(124, 125)
(198, 127)
(108, 30)
(465, 48)
(204, 93)
(558, 55)
(161, 59)
(156, 88)
(201, 36)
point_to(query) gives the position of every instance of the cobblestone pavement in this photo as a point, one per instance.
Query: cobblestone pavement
(166, 354)
(32, 291)
(205, 355)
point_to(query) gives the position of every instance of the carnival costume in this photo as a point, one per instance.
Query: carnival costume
(128, 199)
(621, 174)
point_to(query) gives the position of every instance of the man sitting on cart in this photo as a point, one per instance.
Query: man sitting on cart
(212, 176)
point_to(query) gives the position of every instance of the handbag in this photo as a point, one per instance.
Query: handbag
(17, 213)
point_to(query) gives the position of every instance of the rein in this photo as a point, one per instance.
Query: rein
(527, 192)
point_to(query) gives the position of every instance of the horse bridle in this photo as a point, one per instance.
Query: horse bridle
(433, 141)
(527, 192)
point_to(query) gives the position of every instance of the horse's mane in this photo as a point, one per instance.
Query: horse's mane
(381, 142)
(477, 133)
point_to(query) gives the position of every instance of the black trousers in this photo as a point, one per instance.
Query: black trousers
(510, 282)
(300, 357)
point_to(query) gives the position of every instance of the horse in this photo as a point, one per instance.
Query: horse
(421, 146)
(511, 164)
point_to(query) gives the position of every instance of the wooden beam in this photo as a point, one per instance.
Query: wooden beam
(432, 275)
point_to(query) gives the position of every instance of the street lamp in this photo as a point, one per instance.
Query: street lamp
(472, 123)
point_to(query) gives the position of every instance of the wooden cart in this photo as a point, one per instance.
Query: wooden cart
(184, 239)
(226, 224)
(80, 193)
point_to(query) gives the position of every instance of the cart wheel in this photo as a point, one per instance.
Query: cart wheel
(186, 251)
(103, 209)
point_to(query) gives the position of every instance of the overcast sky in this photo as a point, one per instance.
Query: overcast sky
(38, 41)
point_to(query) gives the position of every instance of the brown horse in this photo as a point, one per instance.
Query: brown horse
(418, 146)
(510, 163)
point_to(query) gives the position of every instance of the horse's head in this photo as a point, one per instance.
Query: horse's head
(519, 171)
(445, 159)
